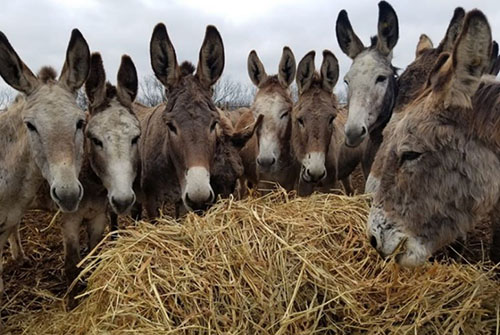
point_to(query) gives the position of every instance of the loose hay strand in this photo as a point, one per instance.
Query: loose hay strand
(275, 264)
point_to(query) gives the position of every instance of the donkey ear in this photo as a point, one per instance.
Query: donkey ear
(13, 70)
(329, 70)
(127, 81)
(305, 72)
(349, 42)
(424, 43)
(95, 86)
(241, 137)
(256, 70)
(388, 28)
(76, 68)
(211, 61)
(453, 30)
(470, 58)
(493, 59)
(287, 67)
(163, 58)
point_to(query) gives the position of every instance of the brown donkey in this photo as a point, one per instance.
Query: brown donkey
(267, 157)
(442, 168)
(180, 142)
(41, 136)
(318, 128)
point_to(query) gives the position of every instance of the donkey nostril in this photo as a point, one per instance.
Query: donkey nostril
(273, 161)
(54, 194)
(211, 197)
(363, 130)
(308, 173)
(323, 175)
(373, 242)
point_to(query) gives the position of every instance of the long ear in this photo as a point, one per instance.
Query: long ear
(305, 72)
(349, 42)
(163, 58)
(127, 81)
(241, 137)
(388, 28)
(95, 86)
(13, 70)
(493, 59)
(256, 70)
(496, 67)
(454, 29)
(211, 61)
(287, 67)
(77, 65)
(469, 59)
(424, 43)
(329, 70)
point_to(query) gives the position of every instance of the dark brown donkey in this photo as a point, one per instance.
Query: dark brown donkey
(441, 170)
(318, 128)
(179, 146)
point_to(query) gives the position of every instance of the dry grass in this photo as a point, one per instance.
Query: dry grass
(272, 265)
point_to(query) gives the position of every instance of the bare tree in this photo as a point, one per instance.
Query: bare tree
(230, 94)
(341, 92)
(7, 95)
(152, 92)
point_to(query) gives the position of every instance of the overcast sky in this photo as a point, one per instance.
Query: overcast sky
(39, 29)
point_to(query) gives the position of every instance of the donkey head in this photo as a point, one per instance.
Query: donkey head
(314, 115)
(190, 115)
(438, 178)
(273, 101)
(113, 131)
(53, 120)
(371, 78)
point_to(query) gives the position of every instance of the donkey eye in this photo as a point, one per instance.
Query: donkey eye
(410, 156)
(284, 115)
(171, 127)
(346, 82)
(31, 127)
(332, 118)
(135, 140)
(381, 79)
(80, 124)
(96, 142)
(212, 127)
(300, 121)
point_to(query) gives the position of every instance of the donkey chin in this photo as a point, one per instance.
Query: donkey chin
(387, 239)
(197, 194)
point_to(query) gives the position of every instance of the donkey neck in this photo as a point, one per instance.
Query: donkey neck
(18, 171)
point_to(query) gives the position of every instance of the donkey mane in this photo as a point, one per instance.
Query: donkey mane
(46, 74)
(110, 94)
(486, 115)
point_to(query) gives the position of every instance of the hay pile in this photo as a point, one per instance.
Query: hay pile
(272, 265)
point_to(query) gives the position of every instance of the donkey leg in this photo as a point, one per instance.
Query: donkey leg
(495, 241)
(71, 232)
(346, 182)
(16, 247)
(96, 228)
(4, 235)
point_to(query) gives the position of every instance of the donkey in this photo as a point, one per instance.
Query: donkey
(412, 80)
(318, 128)
(42, 136)
(371, 79)
(180, 144)
(268, 156)
(442, 168)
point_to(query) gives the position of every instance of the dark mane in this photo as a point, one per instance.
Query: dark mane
(46, 74)
(486, 115)
(187, 68)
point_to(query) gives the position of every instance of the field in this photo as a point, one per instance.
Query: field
(272, 265)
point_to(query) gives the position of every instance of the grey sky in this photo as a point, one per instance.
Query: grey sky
(39, 29)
